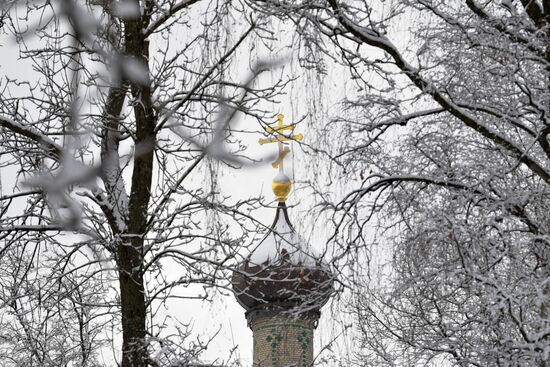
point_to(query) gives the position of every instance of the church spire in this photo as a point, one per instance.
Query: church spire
(283, 283)
(281, 183)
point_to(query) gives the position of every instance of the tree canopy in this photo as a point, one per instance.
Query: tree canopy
(113, 135)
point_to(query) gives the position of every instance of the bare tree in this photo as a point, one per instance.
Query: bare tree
(100, 222)
(447, 138)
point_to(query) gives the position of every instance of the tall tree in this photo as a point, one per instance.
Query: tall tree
(99, 218)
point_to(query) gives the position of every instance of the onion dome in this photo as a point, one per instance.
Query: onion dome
(282, 271)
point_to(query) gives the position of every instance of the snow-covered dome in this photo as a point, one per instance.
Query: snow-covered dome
(283, 244)
(282, 271)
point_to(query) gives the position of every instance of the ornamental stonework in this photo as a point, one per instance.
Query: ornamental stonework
(283, 342)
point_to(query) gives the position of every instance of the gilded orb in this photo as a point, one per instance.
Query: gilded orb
(281, 186)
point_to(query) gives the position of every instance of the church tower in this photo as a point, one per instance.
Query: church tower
(282, 284)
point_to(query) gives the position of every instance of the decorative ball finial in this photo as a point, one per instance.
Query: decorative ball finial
(281, 184)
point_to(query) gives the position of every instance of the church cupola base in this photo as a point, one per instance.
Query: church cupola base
(283, 339)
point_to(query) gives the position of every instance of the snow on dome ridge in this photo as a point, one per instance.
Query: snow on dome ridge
(283, 244)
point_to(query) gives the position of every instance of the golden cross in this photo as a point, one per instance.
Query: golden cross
(279, 138)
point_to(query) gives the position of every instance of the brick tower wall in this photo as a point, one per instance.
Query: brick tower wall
(281, 341)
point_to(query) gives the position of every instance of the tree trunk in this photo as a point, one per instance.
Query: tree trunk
(130, 250)
(132, 302)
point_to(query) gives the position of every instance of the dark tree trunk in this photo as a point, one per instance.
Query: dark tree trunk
(133, 309)
(130, 250)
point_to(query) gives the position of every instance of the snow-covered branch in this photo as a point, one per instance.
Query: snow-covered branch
(53, 150)
(166, 15)
(372, 38)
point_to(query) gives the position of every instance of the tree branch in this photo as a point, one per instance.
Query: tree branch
(173, 10)
(31, 228)
(53, 150)
(111, 174)
(206, 75)
(534, 11)
(173, 189)
(370, 37)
